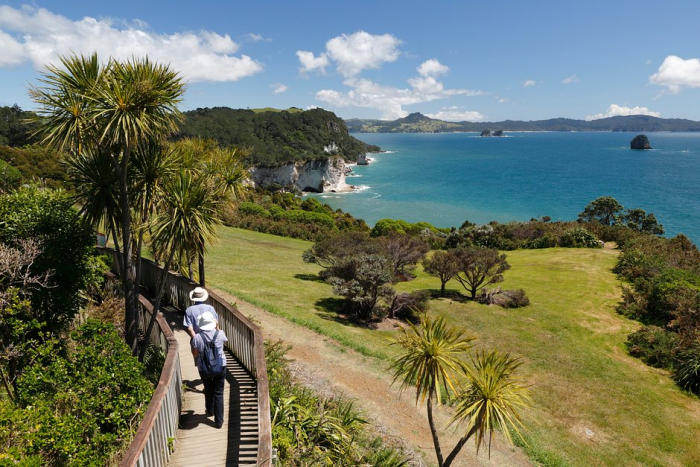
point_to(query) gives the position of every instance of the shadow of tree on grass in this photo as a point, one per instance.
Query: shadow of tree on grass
(309, 277)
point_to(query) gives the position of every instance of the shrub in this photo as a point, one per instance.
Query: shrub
(50, 218)
(579, 238)
(687, 373)
(653, 345)
(253, 209)
(309, 429)
(407, 306)
(9, 177)
(78, 402)
(504, 298)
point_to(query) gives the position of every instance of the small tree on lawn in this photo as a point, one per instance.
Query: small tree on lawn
(479, 267)
(404, 251)
(443, 265)
(362, 280)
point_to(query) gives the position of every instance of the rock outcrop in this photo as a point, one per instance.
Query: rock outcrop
(485, 133)
(362, 159)
(640, 142)
(320, 176)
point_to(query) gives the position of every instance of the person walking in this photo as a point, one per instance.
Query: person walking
(199, 295)
(208, 351)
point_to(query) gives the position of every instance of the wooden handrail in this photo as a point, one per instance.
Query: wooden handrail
(245, 343)
(152, 443)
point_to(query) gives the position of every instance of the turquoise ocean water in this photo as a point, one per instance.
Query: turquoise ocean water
(448, 178)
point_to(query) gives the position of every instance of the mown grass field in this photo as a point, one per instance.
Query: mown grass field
(593, 404)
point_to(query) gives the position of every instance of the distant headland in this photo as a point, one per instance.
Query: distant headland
(419, 123)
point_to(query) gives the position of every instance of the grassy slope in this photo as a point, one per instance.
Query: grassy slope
(594, 405)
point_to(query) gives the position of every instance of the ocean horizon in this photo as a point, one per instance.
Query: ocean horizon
(448, 178)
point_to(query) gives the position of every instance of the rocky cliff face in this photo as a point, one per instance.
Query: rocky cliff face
(320, 176)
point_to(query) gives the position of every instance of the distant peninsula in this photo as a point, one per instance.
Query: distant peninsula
(419, 123)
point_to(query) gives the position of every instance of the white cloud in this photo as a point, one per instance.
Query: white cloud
(615, 111)
(676, 72)
(570, 79)
(353, 53)
(310, 63)
(257, 37)
(388, 99)
(44, 36)
(432, 68)
(529, 83)
(456, 116)
(12, 51)
(278, 88)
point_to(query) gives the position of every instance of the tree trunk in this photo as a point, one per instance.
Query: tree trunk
(433, 430)
(156, 307)
(201, 269)
(130, 291)
(442, 289)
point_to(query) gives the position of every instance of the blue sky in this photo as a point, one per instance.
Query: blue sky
(454, 60)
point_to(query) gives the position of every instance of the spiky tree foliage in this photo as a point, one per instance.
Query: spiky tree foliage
(187, 214)
(96, 190)
(432, 360)
(110, 109)
(492, 402)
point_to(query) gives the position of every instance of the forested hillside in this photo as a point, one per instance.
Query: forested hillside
(276, 138)
(419, 123)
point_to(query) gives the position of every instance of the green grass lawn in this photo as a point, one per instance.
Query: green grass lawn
(593, 404)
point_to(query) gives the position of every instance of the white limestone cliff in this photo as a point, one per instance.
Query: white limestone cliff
(322, 176)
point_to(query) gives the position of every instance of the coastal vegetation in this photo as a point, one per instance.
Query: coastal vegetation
(570, 337)
(315, 429)
(276, 138)
(288, 215)
(61, 372)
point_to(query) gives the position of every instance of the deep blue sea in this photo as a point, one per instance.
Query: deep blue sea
(448, 178)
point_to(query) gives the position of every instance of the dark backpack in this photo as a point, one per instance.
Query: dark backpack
(210, 356)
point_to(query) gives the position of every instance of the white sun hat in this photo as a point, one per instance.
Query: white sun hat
(199, 295)
(206, 321)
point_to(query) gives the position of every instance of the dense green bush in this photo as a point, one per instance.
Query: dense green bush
(663, 290)
(579, 238)
(653, 345)
(49, 217)
(286, 215)
(385, 227)
(78, 402)
(687, 373)
(253, 209)
(9, 177)
(38, 165)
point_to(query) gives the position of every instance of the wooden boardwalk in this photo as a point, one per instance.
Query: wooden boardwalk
(198, 441)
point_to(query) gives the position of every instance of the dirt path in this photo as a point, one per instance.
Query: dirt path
(323, 364)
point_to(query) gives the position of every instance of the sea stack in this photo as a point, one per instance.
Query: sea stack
(486, 133)
(640, 142)
(362, 159)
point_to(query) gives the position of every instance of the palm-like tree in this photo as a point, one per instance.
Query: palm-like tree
(96, 190)
(493, 400)
(432, 361)
(114, 108)
(188, 213)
